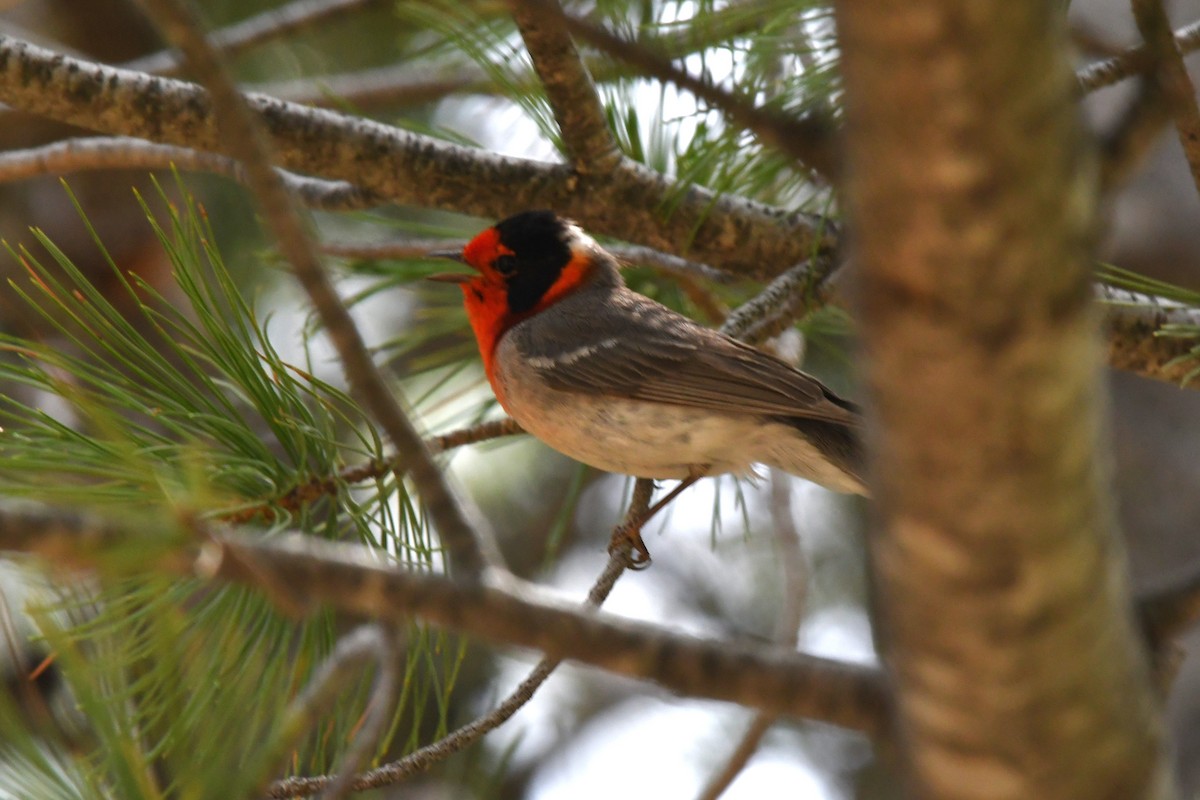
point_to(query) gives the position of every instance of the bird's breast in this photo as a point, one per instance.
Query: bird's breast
(618, 434)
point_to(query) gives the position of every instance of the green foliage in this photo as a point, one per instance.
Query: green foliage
(172, 402)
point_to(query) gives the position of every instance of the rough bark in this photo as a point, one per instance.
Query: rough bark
(1001, 584)
(405, 167)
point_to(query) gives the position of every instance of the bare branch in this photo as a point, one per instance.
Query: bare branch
(742, 236)
(568, 85)
(352, 579)
(1172, 77)
(665, 262)
(272, 24)
(493, 429)
(466, 546)
(725, 231)
(119, 152)
(424, 757)
(1134, 61)
(795, 293)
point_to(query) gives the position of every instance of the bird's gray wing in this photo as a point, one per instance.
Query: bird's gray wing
(642, 350)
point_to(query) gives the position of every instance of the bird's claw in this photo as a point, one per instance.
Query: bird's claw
(628, 545)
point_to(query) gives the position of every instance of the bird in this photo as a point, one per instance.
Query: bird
(622, 383)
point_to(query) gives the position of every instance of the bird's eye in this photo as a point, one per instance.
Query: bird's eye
(505, 264)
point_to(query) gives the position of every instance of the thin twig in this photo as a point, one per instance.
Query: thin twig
(794, 574)
(1134, 61)
(796, 292)
(492, 429)
(123, 152)
(668, 263)
(1172, 77)
(465, 545)
(313, 489)
(569, 88)
(458, 740)
(241, 36)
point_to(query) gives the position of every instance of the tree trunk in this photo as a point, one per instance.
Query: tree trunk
(1001, 583)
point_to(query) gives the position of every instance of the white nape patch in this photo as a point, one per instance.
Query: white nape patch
(571, 356)
(577, 239)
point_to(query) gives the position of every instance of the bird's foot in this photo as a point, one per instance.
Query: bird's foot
(627, 538)
(627, 544)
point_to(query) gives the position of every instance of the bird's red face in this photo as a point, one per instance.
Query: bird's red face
(522, 264)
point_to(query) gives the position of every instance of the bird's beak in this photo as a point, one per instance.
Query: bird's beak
(449, 277)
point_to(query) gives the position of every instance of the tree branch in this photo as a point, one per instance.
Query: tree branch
(466, 546)
(120, 152)
(352, 579)
(1140, 338)
(569, 87)
(725, 231)
(795, 293)
(732, 234)
(1133, 319)
(758, 676)
(1172, 77)
(1134, 61)
(311, 490)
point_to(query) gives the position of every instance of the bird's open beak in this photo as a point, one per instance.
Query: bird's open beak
(449, 277)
